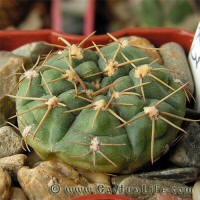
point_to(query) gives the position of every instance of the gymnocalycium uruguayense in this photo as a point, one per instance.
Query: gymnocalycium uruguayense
(107, 108)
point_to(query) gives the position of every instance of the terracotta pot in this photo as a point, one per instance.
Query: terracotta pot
(102, 197)
(10, 40)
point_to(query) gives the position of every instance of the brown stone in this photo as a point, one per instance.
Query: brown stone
(13, 163)
(32, 50)
(95, 177)
(17, 193)
(186, 153)
(9, 65)
(5, 183)
(10, 142)
(144, 45)
(175, 58)
(143, 189)
(54, 180)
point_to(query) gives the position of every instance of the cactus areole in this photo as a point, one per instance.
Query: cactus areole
(104, 108)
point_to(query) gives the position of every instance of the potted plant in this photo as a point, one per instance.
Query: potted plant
(10, 40)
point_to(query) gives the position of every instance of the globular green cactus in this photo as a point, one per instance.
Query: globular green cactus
(110, 109)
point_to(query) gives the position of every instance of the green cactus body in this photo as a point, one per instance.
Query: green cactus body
(75, 120)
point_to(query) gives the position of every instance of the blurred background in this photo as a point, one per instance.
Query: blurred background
(84, 16)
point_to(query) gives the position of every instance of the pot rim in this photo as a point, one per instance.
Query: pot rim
(10, 40)
(102, 197)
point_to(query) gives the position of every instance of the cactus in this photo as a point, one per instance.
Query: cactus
(159, 13)
(111, 109)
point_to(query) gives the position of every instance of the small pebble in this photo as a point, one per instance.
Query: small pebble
(13, 163)
(10, 142)
(181, 175)
(174, 57)
(5, 184)
(144, 45)
(9, 65)
(53, 178)
(196, 191)
(95, 177)
(32, 50)
(17, 193)
(187, 152)
(136, 187)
